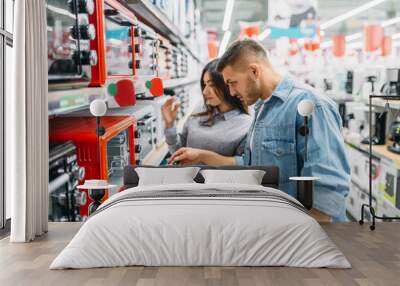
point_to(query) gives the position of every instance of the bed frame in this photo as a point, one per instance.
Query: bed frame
(270, 179)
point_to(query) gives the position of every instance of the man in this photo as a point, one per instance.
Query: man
(274, 137)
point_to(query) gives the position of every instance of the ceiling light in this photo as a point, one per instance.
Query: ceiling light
(353, 37)
(264, 34)
(396, 36)
(356, 45)
(350, 14)
(224, 42)
(396, 44)
(360, 44)
(326, 44)
(356, 36)
(228, 14)
(390, 22)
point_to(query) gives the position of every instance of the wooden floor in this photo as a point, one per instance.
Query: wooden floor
(375, 257)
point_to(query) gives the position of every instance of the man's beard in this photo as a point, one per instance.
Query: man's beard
(253, 92)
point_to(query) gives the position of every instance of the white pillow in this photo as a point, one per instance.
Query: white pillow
(249, 177)
(166, 176)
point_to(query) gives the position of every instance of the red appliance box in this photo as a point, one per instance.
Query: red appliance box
(82, 132)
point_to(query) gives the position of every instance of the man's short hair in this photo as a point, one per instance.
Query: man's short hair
(239, 51)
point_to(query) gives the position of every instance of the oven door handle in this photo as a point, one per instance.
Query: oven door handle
(58, 182)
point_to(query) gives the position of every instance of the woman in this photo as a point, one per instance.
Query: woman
(220, 126)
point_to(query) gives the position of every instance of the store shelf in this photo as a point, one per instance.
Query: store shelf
(378, 102)
(339, 96)
(157, 156)
(379, 151)
(394, 104)
(171, 83)
(63, 102)
(66, 111)
(152, 15)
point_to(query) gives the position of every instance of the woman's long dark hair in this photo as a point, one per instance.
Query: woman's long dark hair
(222, 91)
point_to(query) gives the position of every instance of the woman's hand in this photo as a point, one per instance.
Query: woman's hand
(186, 156)
(169, 111)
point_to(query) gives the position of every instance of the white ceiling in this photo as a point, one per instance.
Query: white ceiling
(212, 13)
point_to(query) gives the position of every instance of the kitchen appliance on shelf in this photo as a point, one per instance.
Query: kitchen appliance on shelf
(392, 84)
(139, 111)
(156, 103)
(327, 84)
(64, 177)
(119, 25)
(348, 86)
(379, 129)
(367, 80)
(164, 58)
(395, 134)
(82, 132)
(184, 98)
(358, 123)
(355, 117)
(118, 155)
(180, 61)
(145, 64)
(115, 26)
(147, 128)
(69, 33)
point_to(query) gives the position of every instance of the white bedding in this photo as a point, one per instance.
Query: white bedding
(183, 231)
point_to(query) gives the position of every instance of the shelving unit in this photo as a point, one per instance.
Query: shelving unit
(153, 16)
(157, 156)
(171, 83)
(377, 150)
(72, 100)
(181, 57)
(380, 102)
(370, 153)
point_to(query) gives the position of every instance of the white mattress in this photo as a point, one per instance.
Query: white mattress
(189, 231)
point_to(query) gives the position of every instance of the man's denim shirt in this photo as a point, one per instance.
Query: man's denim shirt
(277, 141)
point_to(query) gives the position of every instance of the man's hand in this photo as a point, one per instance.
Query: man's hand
(186, 156)
(169, 110)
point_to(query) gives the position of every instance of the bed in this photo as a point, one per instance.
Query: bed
(201, 224)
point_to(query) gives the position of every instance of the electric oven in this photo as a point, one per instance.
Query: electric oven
(145, 63)
(118, 29)
(156, 104)
(164, 58)
(117, 148)
(69, 33)
(115, 25)
(180, 60)
(64, 177)
(147, 128)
